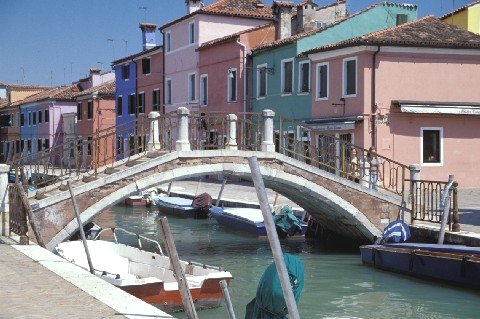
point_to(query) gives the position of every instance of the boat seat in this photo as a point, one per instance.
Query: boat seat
(195, 281)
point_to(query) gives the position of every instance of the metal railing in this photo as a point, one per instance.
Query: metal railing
(340, 156)
(425, 199)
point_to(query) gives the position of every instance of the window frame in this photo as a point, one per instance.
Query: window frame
(317, 81)
(90, 110)
(191, 32)
(149, 65)
(300, 77)
(229, 85)
(344, 77)
(191, 98)
(140, 98)
(203, 95)
(259, 67)
(168, 91)
(156, 104)
(47, 116)
(282, 76)
(441, 135)
(126, 74)
(40, 117)
(79, 111)
(168, 41)
(119, 108)
(132, 104)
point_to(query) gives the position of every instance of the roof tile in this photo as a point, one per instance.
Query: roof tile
(107, 88)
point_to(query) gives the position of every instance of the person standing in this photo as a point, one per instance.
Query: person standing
(375, 172)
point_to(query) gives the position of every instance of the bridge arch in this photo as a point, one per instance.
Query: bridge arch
(340, 205)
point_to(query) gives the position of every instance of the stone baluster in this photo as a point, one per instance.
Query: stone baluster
(232, 132)
(183, 144)
(267, 135)
(414, 176)
(4, 205)
(153, 137)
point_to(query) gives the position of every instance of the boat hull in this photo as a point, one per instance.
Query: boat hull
(208, 296)
(180, 211)
(454, 266)
(134, 201)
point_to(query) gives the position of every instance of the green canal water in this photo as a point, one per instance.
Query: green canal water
(337, 285)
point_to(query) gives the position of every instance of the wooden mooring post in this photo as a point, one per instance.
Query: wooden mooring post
(228, 301)
(219, 198)
(187, 299)
(28, 209)
(273, 239)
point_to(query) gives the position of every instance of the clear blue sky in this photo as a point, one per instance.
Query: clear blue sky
(56, 41)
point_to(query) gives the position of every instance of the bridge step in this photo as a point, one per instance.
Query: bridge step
(88, 179)
(110, 170)
(154, 154)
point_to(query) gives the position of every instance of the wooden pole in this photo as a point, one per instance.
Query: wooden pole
(177, 269)
(26, 206)
(273, 239)
(169, 188)
(275, 200)
(80, 227)
(228, 301)
(198, 186)
(219, 198)
(445, 204)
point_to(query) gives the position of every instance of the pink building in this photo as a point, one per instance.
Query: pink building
(411, 91)
(150, 80)
(222, 68)
(183, 36)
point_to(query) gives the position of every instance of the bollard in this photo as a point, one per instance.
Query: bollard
(4, 205)
(267, 137)
(232, 132)
(414, 177)
(182, 144)
(153, 136)
(455, 217)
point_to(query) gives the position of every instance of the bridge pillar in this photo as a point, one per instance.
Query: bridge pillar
(267, 137)
(183, 144)
(232, 132)
(4, 205)
(153, 137)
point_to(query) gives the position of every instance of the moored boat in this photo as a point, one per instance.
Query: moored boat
(184, 207)
(453, 264)
(250, 220)
(147, 275)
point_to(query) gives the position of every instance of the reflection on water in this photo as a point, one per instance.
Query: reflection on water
(337, 285)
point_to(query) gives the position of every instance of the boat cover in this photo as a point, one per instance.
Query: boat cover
(202, 201)
(286, 221)
(269, 302)
(178, 201)
(396, 232)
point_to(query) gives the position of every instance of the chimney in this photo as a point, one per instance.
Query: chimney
(282, 12)
(148, 35)
(306, 16)
(94, 71)
(193, 5)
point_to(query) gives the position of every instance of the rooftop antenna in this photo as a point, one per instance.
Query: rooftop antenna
(113, 46)
(144, 12)
(71, 71)
(23, 74)
(126, 45)
(51, 78)
(100, 63)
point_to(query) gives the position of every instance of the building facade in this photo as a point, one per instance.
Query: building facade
(466, 17)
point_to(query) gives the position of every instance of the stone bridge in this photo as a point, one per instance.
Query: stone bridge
(338, 204)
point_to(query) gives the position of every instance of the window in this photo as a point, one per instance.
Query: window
(191, 32)
(29, 145)
(22, 145)
(156, 100)
(304, 77)
(168, 91)
(432, 145)
(350, 77)
(141, 102)
(119, 145)
(146, 66)
(131, 104)
(119, 106)
(47, 116)
(320, 24)
(89, 145)
(191, 87)
(204, 89)
(401, 19)
(79, 112)
(232, 85)
(168, 41)
(125, 72)
(22, 119)
(90, 110)
(287, 76)
(262, 81)
(322, 81)
(39, 145)
(40, 113)
(34, 118)
(29, 118)
(46, 143)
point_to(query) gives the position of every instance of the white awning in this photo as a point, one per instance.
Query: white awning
(438, 108)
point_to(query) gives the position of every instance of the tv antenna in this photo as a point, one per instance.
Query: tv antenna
(145, 9)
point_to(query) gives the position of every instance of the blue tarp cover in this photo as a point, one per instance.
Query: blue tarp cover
(287, 221)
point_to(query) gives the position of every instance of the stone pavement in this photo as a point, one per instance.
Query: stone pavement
(469, 209)
(38, 284)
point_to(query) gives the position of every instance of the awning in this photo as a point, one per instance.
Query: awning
(423, 107)
(335, 123)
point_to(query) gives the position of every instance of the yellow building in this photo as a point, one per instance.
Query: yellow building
(466, 17)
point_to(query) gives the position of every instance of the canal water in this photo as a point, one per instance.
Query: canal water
(337, 285)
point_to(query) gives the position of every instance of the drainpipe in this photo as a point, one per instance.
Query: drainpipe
(374, 107)
(244, 76)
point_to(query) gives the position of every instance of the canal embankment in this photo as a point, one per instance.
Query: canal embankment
(242, 194)
(39, 284)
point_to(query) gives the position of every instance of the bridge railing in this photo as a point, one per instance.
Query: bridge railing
(340, 156)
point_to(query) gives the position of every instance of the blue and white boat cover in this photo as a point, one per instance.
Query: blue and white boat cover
(396, 232)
